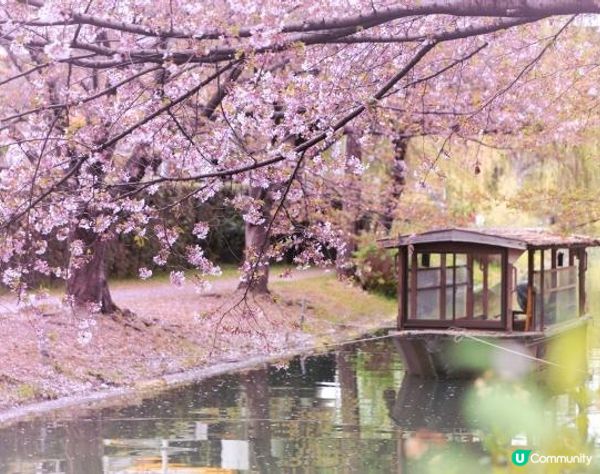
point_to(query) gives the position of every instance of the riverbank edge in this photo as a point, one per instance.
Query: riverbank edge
(142, 389)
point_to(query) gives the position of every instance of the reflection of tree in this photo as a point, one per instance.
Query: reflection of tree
(304, 371)
(349, 408)
(83, 447)
(378, 360)
(173, 418)
(256, 387)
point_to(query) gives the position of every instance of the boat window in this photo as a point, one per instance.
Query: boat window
(487, 286)
(428, 278)
(560, 294)
(455, 287)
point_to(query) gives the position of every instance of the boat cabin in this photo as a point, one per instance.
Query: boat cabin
(490, 279)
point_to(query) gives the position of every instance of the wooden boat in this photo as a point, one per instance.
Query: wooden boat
(473, 299)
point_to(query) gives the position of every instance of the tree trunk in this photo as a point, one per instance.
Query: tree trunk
(256, 245)
(256, 388)
(351, 208)
(83, 447)
(397, 182)
(88, 282)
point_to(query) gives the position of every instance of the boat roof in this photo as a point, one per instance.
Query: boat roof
(523, 238)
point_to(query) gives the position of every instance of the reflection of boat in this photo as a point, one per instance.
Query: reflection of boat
(429, 417)
(431, 404)
(460, 287)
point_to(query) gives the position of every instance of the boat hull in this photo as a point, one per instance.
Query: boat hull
(466, 353)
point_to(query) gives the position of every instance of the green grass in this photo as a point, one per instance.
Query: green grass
(228, 270)
(335, 301)
(26, 391)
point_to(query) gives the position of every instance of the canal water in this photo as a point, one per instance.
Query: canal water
(353, 410)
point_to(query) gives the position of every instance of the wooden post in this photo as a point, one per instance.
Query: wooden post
(571, 257)
(453, 286)
(485, 294)
(469, 286)
(553, 265)
(413, 284)
(553, 284)
(442, 286)
(508, 277)
(582, 254)
(530, 310)
(541, 290)
(402, 286)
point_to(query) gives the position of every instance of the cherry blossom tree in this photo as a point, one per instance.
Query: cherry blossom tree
(105, 103)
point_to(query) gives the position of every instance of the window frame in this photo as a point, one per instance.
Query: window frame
(410, 277)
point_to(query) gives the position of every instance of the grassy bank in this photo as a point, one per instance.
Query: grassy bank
(52, 352)
(333, 305)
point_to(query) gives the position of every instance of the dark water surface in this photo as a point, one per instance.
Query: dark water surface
(353, 410)
(319, 414)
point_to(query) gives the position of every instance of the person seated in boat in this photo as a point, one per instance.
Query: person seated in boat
(522, 295)
(549, 307)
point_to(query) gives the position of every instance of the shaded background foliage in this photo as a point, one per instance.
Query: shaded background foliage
(376, 269)
(224, 243)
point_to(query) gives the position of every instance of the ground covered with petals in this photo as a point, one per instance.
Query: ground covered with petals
(49, 352)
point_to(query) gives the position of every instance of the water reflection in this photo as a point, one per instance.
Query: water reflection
(349, 411)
